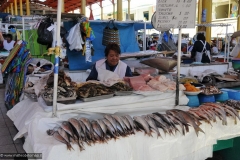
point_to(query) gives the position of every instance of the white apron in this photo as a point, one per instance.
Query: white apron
(200, 54)
(120, 70)
(8, 46)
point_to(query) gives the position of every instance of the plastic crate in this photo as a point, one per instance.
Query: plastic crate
(236, 63)
(193, 101)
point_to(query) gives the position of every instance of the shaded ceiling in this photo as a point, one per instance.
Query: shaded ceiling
(69, 5)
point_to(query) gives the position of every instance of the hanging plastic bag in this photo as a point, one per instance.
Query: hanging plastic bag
(75, 38)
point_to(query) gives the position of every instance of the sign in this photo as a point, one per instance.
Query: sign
(175, 14)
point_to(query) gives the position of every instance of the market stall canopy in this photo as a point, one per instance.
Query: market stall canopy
(69, 5)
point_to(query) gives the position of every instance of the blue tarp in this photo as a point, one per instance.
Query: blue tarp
(3, 16)
(138, 26)
(128, 42)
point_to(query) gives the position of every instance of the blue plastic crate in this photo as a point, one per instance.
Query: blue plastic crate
(222, 97)
(206, 98)
(232, 94)
(193, 101)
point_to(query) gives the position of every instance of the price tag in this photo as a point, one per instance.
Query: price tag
(175, 14)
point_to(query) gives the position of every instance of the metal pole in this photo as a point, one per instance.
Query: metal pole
(144, 37)
(178, 65)
(228, 47)
(23, 31)
(225, 49)
(56, 67)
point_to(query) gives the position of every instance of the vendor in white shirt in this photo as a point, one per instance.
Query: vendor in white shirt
(8, 43)
(111, 63)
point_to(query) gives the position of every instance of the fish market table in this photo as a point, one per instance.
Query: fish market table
(32, 122)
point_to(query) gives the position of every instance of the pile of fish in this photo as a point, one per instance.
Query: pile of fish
(210, 90)
(66, 88)
(93, 89)
(210, 111)
(233, 103)
(82, 131)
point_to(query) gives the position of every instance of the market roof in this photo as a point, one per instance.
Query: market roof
(69, 5)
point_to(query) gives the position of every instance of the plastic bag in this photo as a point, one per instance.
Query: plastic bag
(75, 38)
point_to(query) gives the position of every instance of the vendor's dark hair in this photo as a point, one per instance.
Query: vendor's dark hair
(201, 36)
(112, 46)
(9, 36)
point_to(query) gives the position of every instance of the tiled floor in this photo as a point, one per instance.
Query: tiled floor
(8, 131)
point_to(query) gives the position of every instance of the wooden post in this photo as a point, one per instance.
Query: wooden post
(15, 7)
(11, 4)
(21, 8)
(83, 7)
(119, 10)
(207, 6)
(27, 7)
(63, 6)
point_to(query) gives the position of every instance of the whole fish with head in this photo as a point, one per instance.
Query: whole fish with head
(66, 126)
(75, 123)
(110, 129)
(102, 125)
(140, 121)
(220, 110)
(232, 114)
(176, 121)
(120, 121)
(130, 120)
(126, 122)
(111, 120)
(191, 121)
(160, 123)
(58, 137)
(88, 125)
(97, 129)
(152, 125)
(231, 109)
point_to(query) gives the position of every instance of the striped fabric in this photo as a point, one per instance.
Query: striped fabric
(12, 54)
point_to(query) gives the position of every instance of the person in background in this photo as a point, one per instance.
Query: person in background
(8, 43)
(201, 50)
(111, 63)
(214, 49)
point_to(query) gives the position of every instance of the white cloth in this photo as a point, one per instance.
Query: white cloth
(120, 70)
(29, 117)
(8, 46)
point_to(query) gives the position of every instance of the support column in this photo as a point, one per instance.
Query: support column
(207, 9)
(63, 6)
(113, 3)
(119, 10)
(199, 13)
(11, 4)
(101, 10)
(44, 12)
(5, 10)
(129, 9)
(8, 10)
(21, 8)
(27, 8)
(238, 19)
(83, 7)
(15, 7)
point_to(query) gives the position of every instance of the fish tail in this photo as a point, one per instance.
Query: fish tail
(198, 129)
(235, 121)
(69, 147)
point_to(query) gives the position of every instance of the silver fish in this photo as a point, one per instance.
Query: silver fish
(125, 121)
(110, 128)
(66, 126)
(111, 120)
(88, 125)
(232, 114)
(143, 124)
(120, 121)
(58, 137)
(75, 123)
(152, 124)
(103, 126)
(64, 134)
(160, 123)
(97, 129)
(130, 120)
(177, 122)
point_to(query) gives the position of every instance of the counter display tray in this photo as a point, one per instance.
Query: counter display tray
(68, 100)
(123, 93)
(97, 98)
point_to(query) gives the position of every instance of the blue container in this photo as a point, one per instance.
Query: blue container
(236, 63)
(206, 98)
(222, 97)
(232, 94)
(193, 101)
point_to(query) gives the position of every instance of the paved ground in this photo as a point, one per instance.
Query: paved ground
(8, 131)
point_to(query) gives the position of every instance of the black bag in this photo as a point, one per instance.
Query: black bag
(45, 36)
(110, 35)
